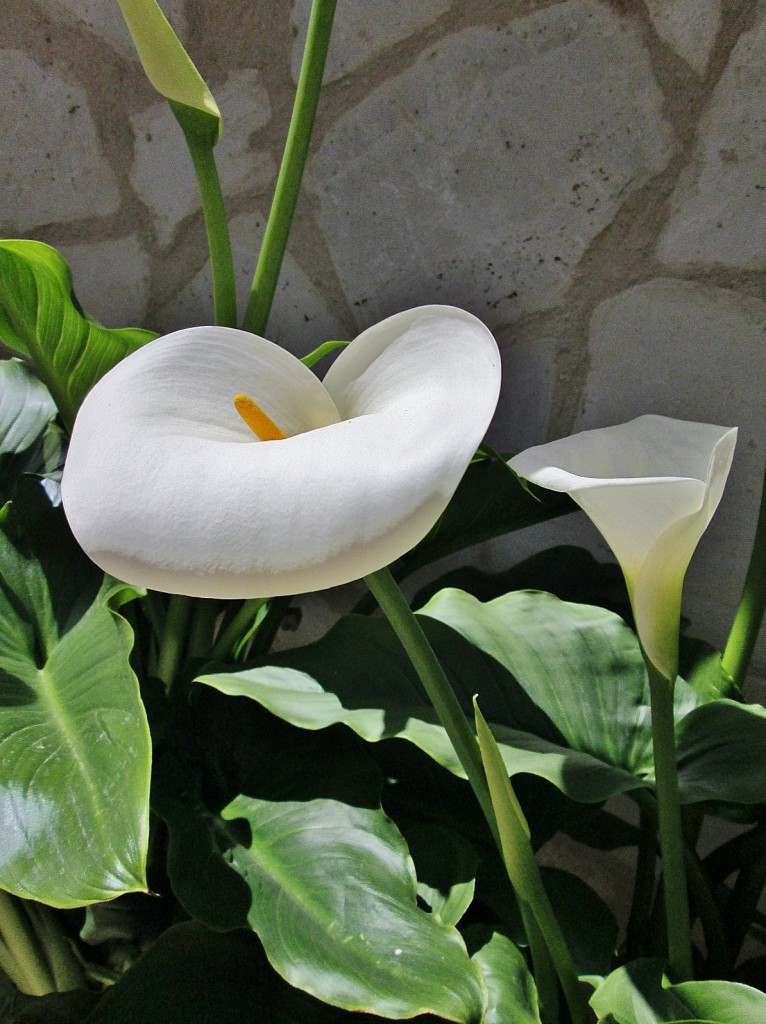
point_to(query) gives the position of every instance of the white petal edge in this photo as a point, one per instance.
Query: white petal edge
(177, 497)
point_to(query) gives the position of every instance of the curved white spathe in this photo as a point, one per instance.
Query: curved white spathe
(166, 487)
(651, 487)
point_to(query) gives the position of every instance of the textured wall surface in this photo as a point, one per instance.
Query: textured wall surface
(587, 176)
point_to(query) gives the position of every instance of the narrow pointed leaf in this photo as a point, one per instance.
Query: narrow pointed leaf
(74, 745)
(40, 318)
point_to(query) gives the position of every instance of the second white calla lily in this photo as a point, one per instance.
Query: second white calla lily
(651, 487)
(165, 486)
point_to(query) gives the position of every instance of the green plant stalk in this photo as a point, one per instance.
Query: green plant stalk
(242, 621)
(200, 143)
(173, 639)
(643, 887)
(64, 965)
(19, 938)
(526, 874)
(412, 638)
(291, 171)
(670, 826)
(749, 615)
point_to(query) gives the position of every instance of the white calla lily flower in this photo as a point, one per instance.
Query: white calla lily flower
(166, 486)
(651, 487)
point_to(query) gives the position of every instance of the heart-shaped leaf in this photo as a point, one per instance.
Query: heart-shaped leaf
(74, 744)
(640, 993)
(40, 318)
(335, 905)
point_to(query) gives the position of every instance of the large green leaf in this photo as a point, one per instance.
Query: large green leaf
(489, 502)
(191, 975)
(30, 442)
(562, 685)
(303, 854)
(542, 723)
(335, 905)
(640, 993)
(722, 753)
(40, 318)
(74, 744)
(26, 407)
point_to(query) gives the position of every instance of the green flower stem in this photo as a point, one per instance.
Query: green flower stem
(239, 625)
(435, 682)
(19, 939)
(65, 967)
(749, 615)
(200, 144)
(524, 873)
(291, 172)
(203, 627)
(670, 826)
(520, 860)
(173, 638)
(643, 886)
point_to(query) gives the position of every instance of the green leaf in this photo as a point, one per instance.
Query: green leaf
(167, 65)
(56, 1008)
(26, 407)
(640, 993)
(446, 869)
(74, 744)
(40, 318)
(563, 686)
(30, 442)
(286, 830)
(563, 718)
(334, 903)
(721, 751)
(586, 920)
(489, 502)
(191, 975)
(512, 992)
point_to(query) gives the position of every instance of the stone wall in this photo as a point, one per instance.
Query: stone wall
(587, 176)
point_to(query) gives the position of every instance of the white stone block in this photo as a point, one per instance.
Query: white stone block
(110, 280)
(480, 174)
(718, 209)
(104, 18)
(300, 320)
(53, 168)
(362, 30)
(162, 173)
(688, 26)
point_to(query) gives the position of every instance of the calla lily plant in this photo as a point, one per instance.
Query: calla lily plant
(651, 487)
(212, 463)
